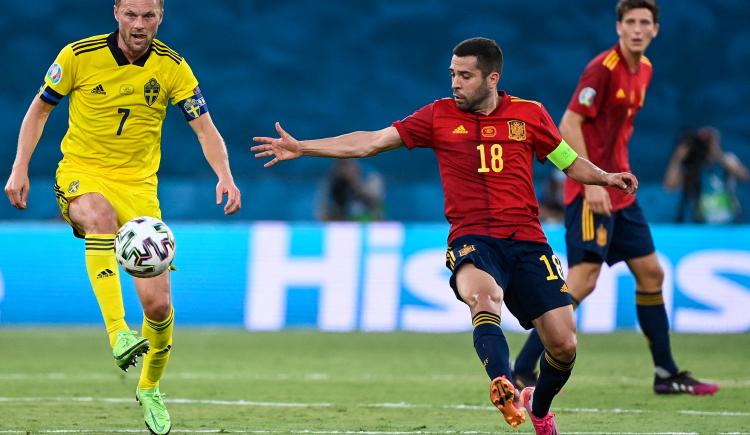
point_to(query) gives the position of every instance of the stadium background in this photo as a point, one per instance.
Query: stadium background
(323, 68)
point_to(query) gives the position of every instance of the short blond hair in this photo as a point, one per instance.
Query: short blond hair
(161, 3)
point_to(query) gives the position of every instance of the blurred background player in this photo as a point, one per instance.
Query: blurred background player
(348, 195)
(484, 140)
(120, 86)
(707, 178)
(603, 224)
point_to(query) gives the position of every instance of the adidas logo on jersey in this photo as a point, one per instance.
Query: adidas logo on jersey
(620, 94)
(99, 89)
(460, 130)
(106, 273)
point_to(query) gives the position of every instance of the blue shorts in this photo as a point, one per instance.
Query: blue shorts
(528, 272)
(596, 238)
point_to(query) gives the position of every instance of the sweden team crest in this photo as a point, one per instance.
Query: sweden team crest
(151, 91)
(192, 107)
(517, 130)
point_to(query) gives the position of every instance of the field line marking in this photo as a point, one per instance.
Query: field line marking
(397, 405)
(331, 432)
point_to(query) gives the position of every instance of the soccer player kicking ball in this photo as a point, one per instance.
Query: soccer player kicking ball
(120, 86)
(603, 224)
(485, 141)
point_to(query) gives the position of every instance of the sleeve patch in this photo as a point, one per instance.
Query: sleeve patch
(54, 73)
(563, 156)
(193, 107)
(586, 96)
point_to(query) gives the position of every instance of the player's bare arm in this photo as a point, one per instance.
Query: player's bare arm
(216, 154)
(17, 187)
(350, 145)
(583, 171)
(570, 129)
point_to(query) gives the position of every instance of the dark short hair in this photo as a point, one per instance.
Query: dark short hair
(489, 54)
(624, 6)
(161, 3)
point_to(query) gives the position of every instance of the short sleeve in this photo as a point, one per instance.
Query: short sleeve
(186, 94)
(416, 129)
(184, 83)
(60, 77)
(591, 91)
(547, 136)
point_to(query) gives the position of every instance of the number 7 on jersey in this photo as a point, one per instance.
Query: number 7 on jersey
(125, 114)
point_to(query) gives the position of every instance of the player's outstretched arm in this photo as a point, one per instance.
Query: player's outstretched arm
(17, 187)
(216, 154)
(586, 172)
(350, 145)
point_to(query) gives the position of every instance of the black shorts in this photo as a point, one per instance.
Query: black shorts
(595, 238)
(528, 272)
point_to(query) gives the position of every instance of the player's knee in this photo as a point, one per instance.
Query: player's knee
(102, 220)
(482, 301)
(651, 279)
(157, 310)
(564, 349)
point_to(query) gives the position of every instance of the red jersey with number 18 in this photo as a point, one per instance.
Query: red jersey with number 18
(486, 163)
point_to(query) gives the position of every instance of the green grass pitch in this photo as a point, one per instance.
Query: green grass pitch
(57, 380)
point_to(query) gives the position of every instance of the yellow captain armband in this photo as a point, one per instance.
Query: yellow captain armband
(563, 156)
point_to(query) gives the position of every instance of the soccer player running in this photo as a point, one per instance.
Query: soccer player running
(485, 141)
(603, 224)
(120, 85)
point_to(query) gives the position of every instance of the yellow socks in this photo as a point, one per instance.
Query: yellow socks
(159, 335)
(105, 280)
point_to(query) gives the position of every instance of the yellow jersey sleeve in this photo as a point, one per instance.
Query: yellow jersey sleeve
(60, 78)
(184, 84)
(186, 94)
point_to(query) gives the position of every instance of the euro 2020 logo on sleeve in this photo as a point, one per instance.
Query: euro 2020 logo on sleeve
(586, 96)
(54, 73)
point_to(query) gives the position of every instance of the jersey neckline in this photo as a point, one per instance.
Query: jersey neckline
(120, 57)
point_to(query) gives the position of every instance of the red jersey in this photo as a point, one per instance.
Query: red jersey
(486, 163)
(609, 96)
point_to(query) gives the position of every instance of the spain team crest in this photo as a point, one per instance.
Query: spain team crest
(517, 130)
(601, 236)
(151, 91)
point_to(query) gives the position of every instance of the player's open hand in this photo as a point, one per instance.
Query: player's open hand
(234, 197)
(17, 189)
(285, 147)
(624, 181)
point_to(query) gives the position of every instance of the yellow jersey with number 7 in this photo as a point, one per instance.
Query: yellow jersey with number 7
(116, 107)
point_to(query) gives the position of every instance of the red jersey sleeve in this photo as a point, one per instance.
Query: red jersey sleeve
(591, 91)
(547, 135)
(416, 129)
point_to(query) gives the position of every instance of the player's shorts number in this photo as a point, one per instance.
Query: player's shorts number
(125, 114)
(496, 158)
(558, 266)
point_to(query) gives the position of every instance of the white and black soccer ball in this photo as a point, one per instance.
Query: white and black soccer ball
(144, 247)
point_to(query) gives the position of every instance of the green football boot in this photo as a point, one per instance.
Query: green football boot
(154, 412)
(128, 348)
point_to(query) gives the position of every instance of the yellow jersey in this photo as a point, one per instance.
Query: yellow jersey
(117, 108)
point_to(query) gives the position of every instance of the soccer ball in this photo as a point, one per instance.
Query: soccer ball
(144, 247)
